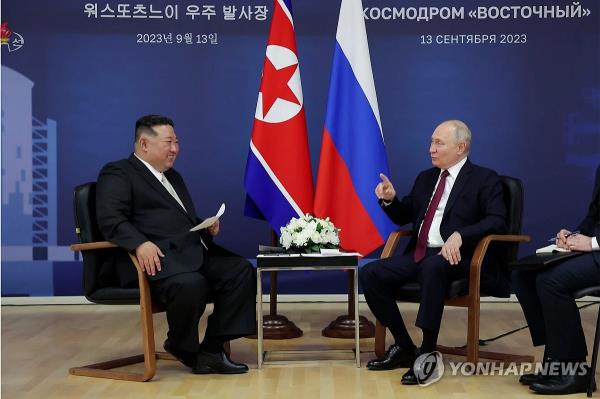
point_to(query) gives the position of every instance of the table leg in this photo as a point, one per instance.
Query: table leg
(343, 326)
(259, 312)
(276, 326)
(356, 319)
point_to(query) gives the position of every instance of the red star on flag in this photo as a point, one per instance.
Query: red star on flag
(275, 85)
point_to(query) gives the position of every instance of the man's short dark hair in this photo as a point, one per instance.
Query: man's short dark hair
(145, 123)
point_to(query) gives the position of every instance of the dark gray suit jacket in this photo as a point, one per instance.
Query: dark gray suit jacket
(132, 207)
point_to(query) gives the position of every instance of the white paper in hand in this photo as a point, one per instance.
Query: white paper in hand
(211, 220)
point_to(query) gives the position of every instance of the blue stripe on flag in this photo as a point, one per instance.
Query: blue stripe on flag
(288, 4)
(265, 196)
(354, 129)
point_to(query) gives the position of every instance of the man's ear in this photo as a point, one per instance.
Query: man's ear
(143, 143)
(462, 146)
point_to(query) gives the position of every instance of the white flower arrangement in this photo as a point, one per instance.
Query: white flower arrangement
(309, 234)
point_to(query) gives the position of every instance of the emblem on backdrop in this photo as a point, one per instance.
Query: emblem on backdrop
(12, 40)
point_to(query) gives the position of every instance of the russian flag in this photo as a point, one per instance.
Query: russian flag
(352, 149)
(278, 178)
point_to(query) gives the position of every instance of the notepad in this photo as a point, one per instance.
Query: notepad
(550, 249)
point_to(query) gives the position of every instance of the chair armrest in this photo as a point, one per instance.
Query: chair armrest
(92, 245)
(479, 255)
(392, 242)
(484, 243)
(88, 246)
(103, 245)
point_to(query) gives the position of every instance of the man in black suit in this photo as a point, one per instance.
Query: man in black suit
(546, 298)
(451, 207)
(144, 207)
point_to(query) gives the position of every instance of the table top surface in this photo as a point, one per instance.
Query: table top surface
(305, 261)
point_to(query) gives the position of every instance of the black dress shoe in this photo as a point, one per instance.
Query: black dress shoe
(409, 378)
(562, 384)
(241, 365)
(219, 363)
(395, 357)
(187, 358)
(528, 379)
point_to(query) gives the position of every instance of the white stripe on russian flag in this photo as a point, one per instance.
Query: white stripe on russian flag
(352, 37)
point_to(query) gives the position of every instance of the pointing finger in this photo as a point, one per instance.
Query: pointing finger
(384, 178)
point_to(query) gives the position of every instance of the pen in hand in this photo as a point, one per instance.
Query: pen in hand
(573, 233)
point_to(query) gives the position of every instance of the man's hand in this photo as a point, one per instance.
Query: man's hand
(148, 256)
(213, 229)
(561, 238)
(385, 190)
(579, 242)
(451, 249)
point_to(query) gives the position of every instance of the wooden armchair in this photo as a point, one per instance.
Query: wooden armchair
(467, 292)
(104, 289)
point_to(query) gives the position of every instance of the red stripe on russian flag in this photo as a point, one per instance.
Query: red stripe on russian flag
(336, 198)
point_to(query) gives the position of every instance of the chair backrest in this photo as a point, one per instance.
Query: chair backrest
(500, 254)
(100, 283)
(84, 202)
(513, 198)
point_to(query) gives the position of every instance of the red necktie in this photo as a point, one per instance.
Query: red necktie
(424, 233)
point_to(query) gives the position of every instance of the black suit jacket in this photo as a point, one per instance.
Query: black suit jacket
(132, 207)
(590, 226)
(475, 207)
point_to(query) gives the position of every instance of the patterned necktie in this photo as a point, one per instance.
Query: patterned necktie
(173, 193)
(424, 233)
(171, 190)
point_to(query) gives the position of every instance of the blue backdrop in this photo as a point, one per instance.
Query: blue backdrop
(75, 79)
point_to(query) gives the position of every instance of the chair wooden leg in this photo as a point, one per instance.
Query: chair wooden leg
(104, 369)
(380, 332)
(473, 330)
(497, 356)
(472, 351)
(147, 331)
(594, 358)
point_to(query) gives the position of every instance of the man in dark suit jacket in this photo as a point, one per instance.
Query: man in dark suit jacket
(546, 298)
(144, 207)
(466, 204)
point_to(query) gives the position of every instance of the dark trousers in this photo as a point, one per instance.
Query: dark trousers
(381, 279)
(225, 279)
(546, 297)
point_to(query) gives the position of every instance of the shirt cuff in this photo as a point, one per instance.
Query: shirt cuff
(595, 245)
(386, 203)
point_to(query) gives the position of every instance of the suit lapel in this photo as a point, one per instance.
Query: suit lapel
(459, 185)
(155, 184)
(183, 194)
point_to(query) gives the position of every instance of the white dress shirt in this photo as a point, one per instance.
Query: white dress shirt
(163, 180)
(434, 239)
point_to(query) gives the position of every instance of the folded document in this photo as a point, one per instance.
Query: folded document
(210, 221)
